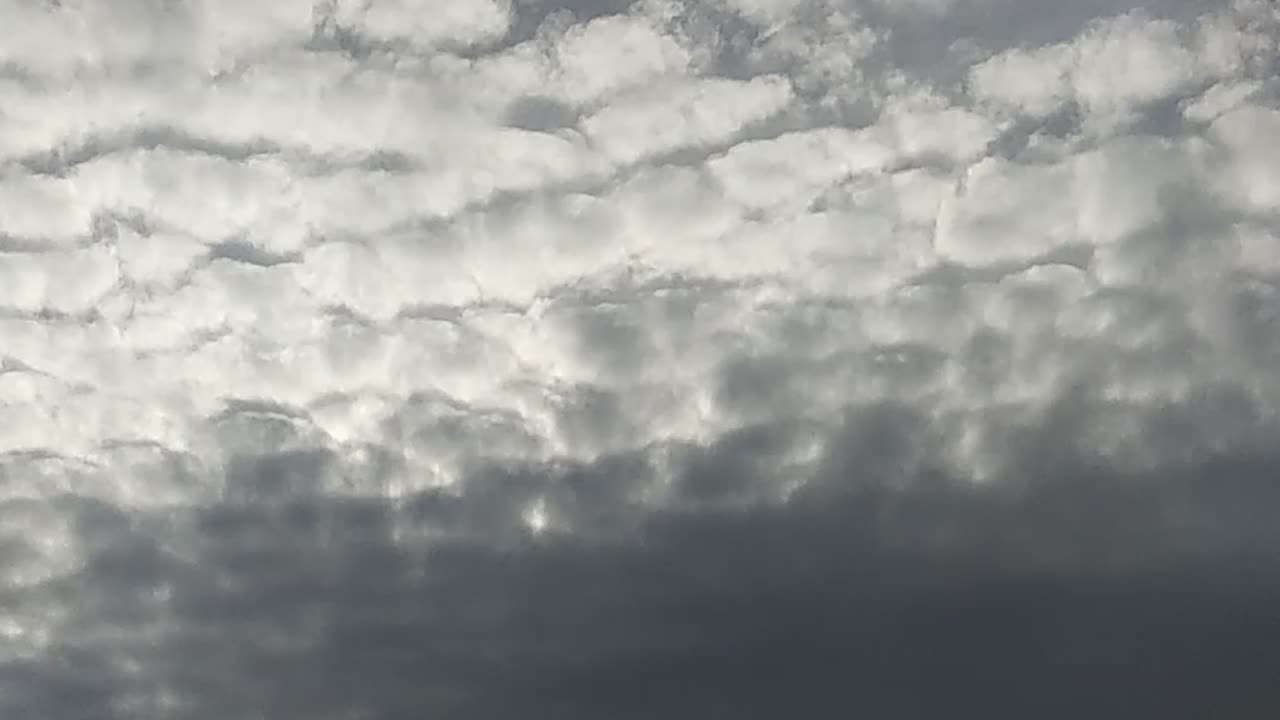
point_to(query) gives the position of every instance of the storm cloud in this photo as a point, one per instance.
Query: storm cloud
(655, 358)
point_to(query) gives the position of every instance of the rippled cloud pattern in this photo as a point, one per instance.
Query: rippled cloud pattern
(639, 358)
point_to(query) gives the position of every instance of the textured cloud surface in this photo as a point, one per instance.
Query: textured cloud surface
(639, 358)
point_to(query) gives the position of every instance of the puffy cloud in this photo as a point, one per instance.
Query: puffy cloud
(668, 119)
(557, 354)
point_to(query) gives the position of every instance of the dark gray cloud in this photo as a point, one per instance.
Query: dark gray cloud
(1067, 590)
(650, 358)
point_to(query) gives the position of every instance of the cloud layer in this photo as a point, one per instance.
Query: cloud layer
(389, 358)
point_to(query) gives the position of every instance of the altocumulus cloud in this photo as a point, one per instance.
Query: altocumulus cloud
(639, 358)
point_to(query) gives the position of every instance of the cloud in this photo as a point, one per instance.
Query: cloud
(380, 359)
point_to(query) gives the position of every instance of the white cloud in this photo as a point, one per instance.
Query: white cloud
(428, 23)
(42, 210)
(1033, 81)
(683, 116)
(927, 126)
(1115, 67)
(789, 171)
(1220, 98)
(1131, 60)
(613, 53)
(38, 281)
(1252, 175)
(299, 184)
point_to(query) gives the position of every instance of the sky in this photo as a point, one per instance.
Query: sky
(611, 359)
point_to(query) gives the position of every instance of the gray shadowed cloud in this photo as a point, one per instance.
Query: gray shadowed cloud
(390, 359)
(1075, 591)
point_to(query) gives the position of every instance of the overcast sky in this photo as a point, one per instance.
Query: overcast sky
(600, 359)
